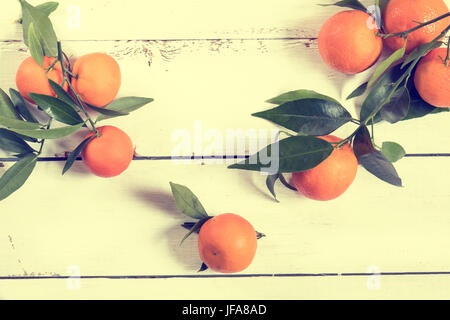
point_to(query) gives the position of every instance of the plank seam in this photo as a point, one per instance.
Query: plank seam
(141, 158)
(263, 275)
(180, 39)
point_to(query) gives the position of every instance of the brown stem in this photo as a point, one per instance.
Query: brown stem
(404, 34)
(78, 98)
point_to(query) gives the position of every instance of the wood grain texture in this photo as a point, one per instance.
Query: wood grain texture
(389, 287)
(213, 63)
(215, 86)
(130, 225)
(198, 19)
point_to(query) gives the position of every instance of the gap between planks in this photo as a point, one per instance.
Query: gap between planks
(256, 275)
(151, 158)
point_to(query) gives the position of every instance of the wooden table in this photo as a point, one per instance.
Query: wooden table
(209, 65)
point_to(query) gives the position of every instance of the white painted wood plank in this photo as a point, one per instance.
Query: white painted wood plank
(388, 287)
(215, 86)
(129, 225)
(198, 19)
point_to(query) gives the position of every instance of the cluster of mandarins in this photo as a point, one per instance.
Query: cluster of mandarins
(350, 42)
(96, 79)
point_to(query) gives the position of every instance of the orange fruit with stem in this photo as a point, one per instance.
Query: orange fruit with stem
(96, 78)
(432, 78)
(33, 78)
(227, 243)
(332, 177)
(110, 153)
(348, 42)
(403, 15)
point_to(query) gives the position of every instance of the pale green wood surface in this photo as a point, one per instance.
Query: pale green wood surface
(222, 62)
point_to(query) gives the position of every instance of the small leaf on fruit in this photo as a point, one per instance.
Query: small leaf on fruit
(187, 202)
(392, 151)
(286, 184)
(259, 235)
(203, 267)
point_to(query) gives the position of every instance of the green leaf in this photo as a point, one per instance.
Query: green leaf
(382, 67)
(107, 112)
(377, 164)
(397, 108)
(75, 153)
(6, 106)
(362, 142)
(49, 133)
(379, 92)
(353, 4)
(419, 108)
(187, 202)
(10, 141)
(21, 106)
(18, 124)
(308, 116)
(16, 176)
(420, 51)
(62, 94)
(270, 183)
(47, 7)
(125, 105)
(57, 109)
(42, 26)
(293, 154)
(392, 151)
(34, 44)
(358, 91)
(298, 95)
(195, 228)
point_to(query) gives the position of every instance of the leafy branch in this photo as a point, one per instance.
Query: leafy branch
(20, 126)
